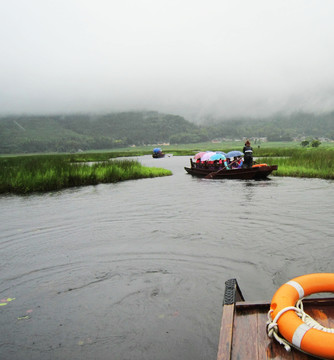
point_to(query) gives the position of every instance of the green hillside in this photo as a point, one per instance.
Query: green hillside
(66, 133)
(278, 128)
(69, 133)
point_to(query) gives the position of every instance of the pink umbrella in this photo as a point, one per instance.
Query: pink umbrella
(207, 156)
(199, 155)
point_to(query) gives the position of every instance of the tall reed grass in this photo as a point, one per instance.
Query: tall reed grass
(26, 174)
(309, 163)
(40, 173)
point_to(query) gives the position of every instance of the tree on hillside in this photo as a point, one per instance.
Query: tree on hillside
(315, 143)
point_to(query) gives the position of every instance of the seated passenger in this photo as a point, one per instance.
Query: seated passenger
(234, 164)
(239, 162)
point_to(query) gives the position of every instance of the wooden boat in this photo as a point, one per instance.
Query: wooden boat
(256, 173)
(243, 333)
(158, 153)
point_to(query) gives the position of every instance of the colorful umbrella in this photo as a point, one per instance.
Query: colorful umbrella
(234, 153)
(199, 155)
(217, 157)
(207, 155)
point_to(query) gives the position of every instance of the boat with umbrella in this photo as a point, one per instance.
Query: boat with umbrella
(213, 165)
(158, 153)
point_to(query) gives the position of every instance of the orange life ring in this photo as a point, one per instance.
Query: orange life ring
(291, 327)
(259, 165)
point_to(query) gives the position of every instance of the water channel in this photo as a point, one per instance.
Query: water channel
(136, 270)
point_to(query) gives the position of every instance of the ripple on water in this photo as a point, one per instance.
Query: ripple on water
(137, 269)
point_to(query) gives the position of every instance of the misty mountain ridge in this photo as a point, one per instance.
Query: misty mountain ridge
(71, 132)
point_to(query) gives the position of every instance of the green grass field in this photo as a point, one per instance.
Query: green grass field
(190, 149)
(41, 173)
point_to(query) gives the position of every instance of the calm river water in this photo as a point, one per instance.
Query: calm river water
(136, 270)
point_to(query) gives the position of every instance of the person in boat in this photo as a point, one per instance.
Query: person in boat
(248, 155)
(237, 163)
(226, 164)
(233, 163)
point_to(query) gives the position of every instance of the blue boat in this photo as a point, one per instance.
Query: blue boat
(158, 153)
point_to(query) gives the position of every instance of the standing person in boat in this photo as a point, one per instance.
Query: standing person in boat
(248, 155)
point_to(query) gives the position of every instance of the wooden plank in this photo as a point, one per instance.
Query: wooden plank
(244, 343)
(310, 303)
(268, 348)
(264, 343)
(225, 337)
(250, 340)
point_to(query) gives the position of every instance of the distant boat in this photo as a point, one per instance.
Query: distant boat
(257, 172)
(158, 153)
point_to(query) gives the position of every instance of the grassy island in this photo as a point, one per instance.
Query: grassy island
(40, 173)
(305, 163)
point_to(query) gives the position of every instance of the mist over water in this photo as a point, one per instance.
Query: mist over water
(136, 270)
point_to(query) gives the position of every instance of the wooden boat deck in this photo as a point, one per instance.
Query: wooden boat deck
(243, 333)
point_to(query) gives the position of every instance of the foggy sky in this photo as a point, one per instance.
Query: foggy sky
(189, 57)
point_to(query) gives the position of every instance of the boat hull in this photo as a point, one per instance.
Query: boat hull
(254, 173)
(157, 156)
